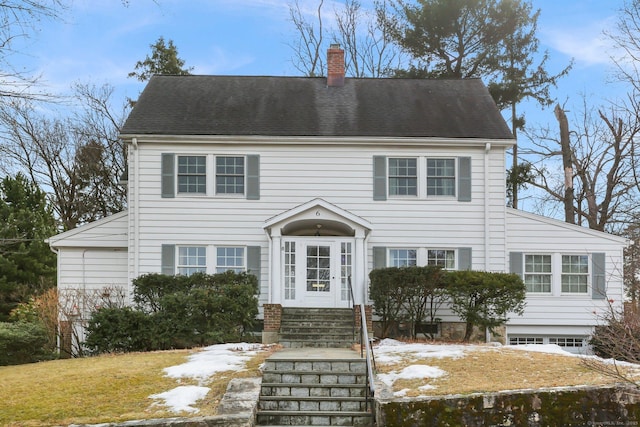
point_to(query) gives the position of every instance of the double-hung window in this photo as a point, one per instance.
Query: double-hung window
(192, 174)
(445, 258)
(402, 257)
(230, 258)
(192, 259)
(403, 177)
(575, 274)
(441, 177)
(230, 175)
(537, 273)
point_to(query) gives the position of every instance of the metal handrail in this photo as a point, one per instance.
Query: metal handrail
(353, 305)
(364, 345)
(368, 351)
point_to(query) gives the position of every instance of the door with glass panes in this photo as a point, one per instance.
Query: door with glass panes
(316, 271)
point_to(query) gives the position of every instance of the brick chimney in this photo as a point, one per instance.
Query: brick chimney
(335, 66)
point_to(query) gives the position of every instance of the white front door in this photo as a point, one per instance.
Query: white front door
(316, 271)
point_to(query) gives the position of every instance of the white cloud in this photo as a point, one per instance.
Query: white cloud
(585, 43)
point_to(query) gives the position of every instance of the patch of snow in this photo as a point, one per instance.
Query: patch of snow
(392, 351)
(215, 359)
(543, 348)
(401, 393)
(181, 398)
(426, 387)
(411, 372)
(201, 366)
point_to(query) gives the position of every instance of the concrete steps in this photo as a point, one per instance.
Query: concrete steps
(317, 327)
(314, 387)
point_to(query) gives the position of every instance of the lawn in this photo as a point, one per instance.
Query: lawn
(109, 388)
(464, 369)
(115, 388)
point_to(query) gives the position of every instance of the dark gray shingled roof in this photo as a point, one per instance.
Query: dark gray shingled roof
(302, 106)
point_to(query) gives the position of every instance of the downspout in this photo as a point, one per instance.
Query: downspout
(487, 228)
(487, 200)
(269, 282)
(136, 213)
(84, 284)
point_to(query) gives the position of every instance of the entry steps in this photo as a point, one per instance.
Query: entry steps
(317, 327)
(309, 386)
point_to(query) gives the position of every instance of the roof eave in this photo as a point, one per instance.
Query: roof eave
(320, 140)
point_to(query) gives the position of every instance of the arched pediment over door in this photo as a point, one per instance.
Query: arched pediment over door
(317, 249)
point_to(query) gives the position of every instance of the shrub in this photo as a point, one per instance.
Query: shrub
(618, 337)
(178, 312)
(113, 330)
(484, 299)
(406, 294)
(23, 342)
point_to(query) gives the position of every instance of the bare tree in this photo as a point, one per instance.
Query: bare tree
(627, 38)
(632, 266)
(307, 56)
(77, 159)
(18, 20)
(617, 339)
(602, 157)
(369, 50)
(75, 308)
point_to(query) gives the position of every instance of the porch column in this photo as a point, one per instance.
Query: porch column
(360, 279)
(275, 264)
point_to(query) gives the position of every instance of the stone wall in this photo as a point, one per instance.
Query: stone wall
(566, 407)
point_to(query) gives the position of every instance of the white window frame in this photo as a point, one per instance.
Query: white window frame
(204, 175)
(569, 342)
(454, 178)
(216, 175)
(436, 259)
(586, 275)
(392, 250)
(550, 274)
(187, 269)
(525, 340)
(221, 268)
(416, 177)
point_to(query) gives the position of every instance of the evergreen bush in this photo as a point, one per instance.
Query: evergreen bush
(406, 294)
(178, 312)
(23, 342)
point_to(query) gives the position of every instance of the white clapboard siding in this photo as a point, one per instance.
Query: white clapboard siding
(109, 232)
(92, 268)
(295, 174)
(530, 233)
(341, 175)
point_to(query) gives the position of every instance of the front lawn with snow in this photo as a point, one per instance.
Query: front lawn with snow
(188, 383)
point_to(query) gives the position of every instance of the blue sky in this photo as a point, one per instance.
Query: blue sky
(100, 41)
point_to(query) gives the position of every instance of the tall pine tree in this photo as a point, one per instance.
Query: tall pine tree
(27, 265)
